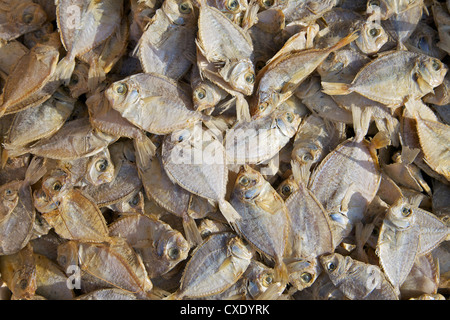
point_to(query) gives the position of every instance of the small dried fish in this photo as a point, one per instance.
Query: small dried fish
(357, 280)
(222, 257)
(18, 270)
(264, 217)
(160, 247)
(414, 75)
(20, 17)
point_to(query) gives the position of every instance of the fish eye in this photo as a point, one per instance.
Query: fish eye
(249, 77)
(406, 211)
(263, 106)
(436, 65)
(267, 280)
(374, 32)
(74, 80)
(62, 260)
(8, 192)
(101, 165)
(268, 3)
(306, 277)
(200, 93)
(415, 76)
(307, 157)
(244, 181)
(23, 284)
(205, 233)
(121, 88)
(180, 138)
(375, 3)
(331, 266)
(184, 8)
(57, 186)
(232, 5)
(286, 190)
(27, 18)
(289, 117)
(134, 201)
(174, 253)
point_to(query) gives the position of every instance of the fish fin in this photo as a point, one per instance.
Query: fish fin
(230, 214)
(345, 41)
(225, 264)
(242, 109)
(150, 99)
(272, 292)
(409, 154)
(173, 296)
(13, 152)
(64, 69)
(96, 75)
(145, 150)
(347, 196)
(380, 140)
(281, 272)
(217, 125)
(335, 88)
(271, 206)
(191, 230)
(301, 173)
(361, 121)
(35, 171)
(250, 15)
(424, 86)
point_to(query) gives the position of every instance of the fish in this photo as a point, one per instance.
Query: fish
(160, 247)
(221, 254)
(264, 217)
(357, 280)
(168, 43)
(83, 26)
(18, 270)
(415, 76)
(20, 17)
(282, 76)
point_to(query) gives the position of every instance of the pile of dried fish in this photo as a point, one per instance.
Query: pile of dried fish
(224, 149)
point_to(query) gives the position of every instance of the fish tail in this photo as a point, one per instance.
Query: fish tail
(145, 150)
(96, 75)
(381, 140)
(191, 230)
(242, 109)
(65, 68)
(13, 152)
(281, 272)
(345, 41)
(335, 88)
(35, 170)
(230, 214)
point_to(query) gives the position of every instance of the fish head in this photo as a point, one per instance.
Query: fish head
(249, 183)
(266, 4)
(9, 198)
(335, 264)
(303, 273)
(231, 7)
(180, 12)
(401, 214)
(306, 154)
(203, 97)
(287, 187)
(259, 278)
(372, 37)
(55, 183)
(24, 283)
(379, 9)
(242, 76)
(172, 247)
(122, 94)
(67, 255)
(238, 249)
(27, 16)
(100, 168)
(431, 70)
(287, 120)
(43, 203)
